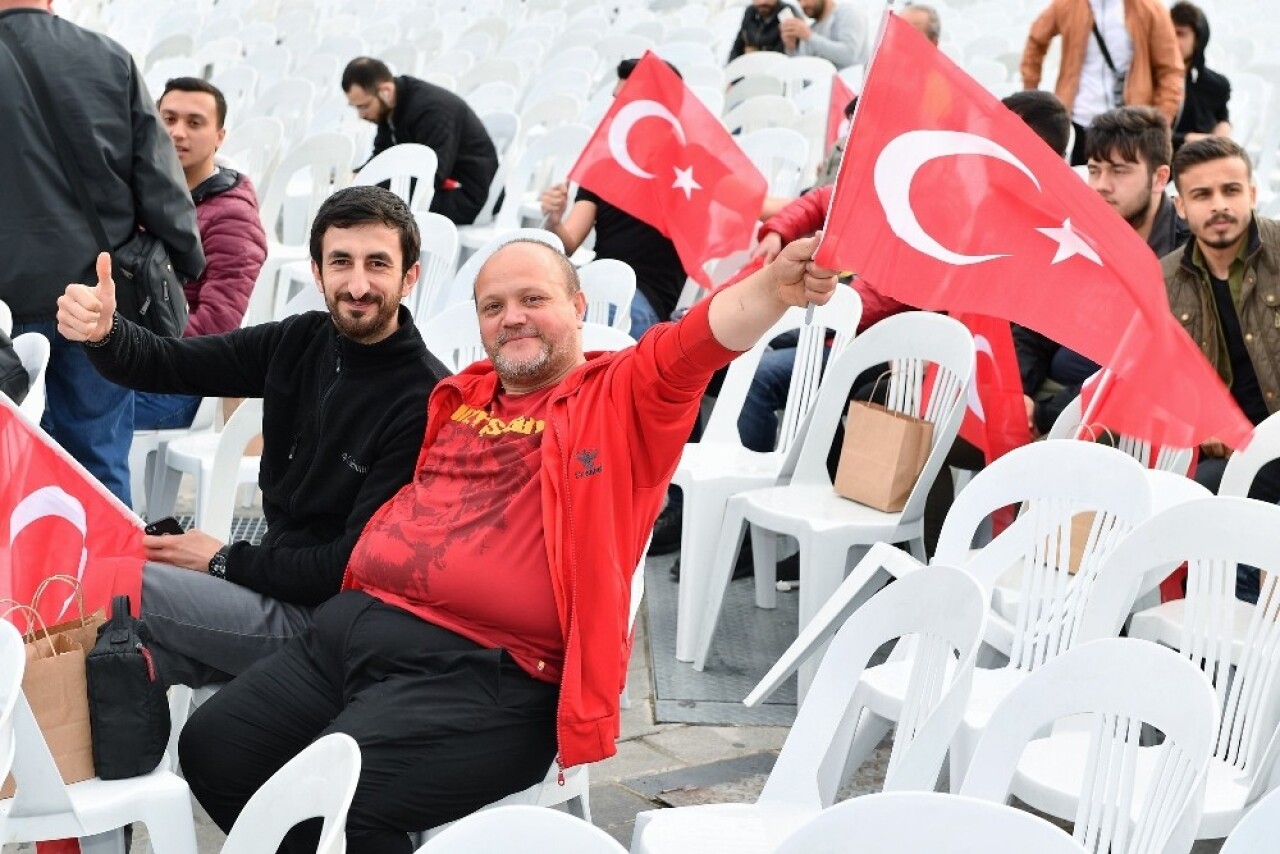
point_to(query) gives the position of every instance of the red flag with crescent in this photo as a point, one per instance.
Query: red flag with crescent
(56, 519)
(661, 156)
(837, 125)
(946, 200)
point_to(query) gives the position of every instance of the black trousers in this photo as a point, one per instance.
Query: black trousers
(444, 725)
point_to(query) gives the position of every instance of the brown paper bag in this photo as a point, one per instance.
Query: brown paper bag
(1081, 524)
(883, 454)
(55, 688)
(81, 629)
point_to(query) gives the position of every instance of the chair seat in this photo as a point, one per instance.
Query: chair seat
(193, 454)
(886, 685)
(731, 828)
(817, 507)
(716, 459)
(1163, 624)
(1050, 772)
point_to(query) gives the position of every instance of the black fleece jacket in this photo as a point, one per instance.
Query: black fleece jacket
(342, 425)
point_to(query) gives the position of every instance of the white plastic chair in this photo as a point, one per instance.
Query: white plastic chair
(494, 96)
(288, 100)
(453, 336)
(714, 469)
(1243, 465)
(491, 70)
(826, 525)
(528, 829)
(411, 170)
(610, 286)
(759, 62)
(271, 61)
(33, 351)
(462, 287)
(1258, 830)
(761, 111)
(239, 85)
(147, 450)
(439, 261)
(597, 336)
(12, 664)
(806, 81)
(549, 110)
(781, 155)
(939, 613)
(927, 823)
(504, 130)
(1090, 773)
(543, 162)
(1068, 426)
(1235, 643)
(317, 783)
(684, 54)
(253, 148)
(94, 811)
(320, 70)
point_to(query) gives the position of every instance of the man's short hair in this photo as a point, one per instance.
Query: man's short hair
(1134, 133)
(933, 27)
(1186, 14)
(1044, 114)
(1204, 150)
(354, 206)
(629, 65)
(195, 84)
(365, 72)
(572, 282)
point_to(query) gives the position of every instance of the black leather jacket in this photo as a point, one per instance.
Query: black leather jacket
(122, 150)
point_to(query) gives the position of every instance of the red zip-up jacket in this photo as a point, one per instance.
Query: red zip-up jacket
(616, 429)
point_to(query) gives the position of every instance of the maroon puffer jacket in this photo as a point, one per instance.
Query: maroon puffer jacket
(234, 247)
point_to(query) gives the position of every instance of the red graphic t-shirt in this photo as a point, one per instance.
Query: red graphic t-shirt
(462, 545)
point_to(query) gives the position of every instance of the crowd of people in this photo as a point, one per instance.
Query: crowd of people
(432, 580)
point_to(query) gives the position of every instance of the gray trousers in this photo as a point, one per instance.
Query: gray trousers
(206, 630)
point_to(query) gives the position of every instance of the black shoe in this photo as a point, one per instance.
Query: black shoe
(666, 531)
(789, 568)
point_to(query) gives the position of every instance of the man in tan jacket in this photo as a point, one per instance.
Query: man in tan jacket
(1114, 53)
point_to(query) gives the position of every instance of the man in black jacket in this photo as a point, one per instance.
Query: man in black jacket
(1204, 108)
(344, 412)
(101, 104)
(760, 28)
(407, 109)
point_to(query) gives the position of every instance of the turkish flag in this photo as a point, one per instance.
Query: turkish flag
(662, 157)
(837, 124)
(996, 417)
(947, 200)
(56, 519)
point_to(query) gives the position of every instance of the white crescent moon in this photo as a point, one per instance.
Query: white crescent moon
(897, 166)
(621, 128)
(52, 501)
(980, 345)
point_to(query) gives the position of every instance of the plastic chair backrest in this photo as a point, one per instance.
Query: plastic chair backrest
(544, 161)
(407, 165)
(806, 81)
(925, 823)
(529, 829)
(579, 57)
(318, 782)
(492, 70)
(761, 111)
(941, 610)
(33, 351)
(840, 315)
(288, 100)
(1056, 481)
(1212, 536)
(253, 148)
(781, 155)
(453, 336)
(326, 157)
(910, 342)
(609, 285)
(1120, 684)
(684, 54)
(238, 84)
(550, 110)
(243, 425)
(1068, 426)
(494, 96)
(462, 287)
(14, 663)
(40, 787)
(759, 62)
(598, 336)
(1243, 465)
(439, 259)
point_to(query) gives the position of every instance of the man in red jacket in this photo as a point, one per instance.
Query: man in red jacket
(483, 629)
(194, 112)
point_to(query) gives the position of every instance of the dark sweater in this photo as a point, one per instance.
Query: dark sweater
(342, 425)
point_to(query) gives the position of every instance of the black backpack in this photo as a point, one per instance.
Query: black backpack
(128, 708)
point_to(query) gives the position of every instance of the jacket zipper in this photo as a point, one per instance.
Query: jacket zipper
(324, 399)
(573, 595)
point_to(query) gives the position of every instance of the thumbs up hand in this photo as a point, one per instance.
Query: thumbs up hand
(84, 311)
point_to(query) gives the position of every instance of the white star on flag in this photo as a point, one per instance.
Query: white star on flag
(684, 181)
(1069, 243)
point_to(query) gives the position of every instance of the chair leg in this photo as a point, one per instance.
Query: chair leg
(916, 544)
(580, 806)
(720, 575)
(821, 571)
(704, 505)
(764, 549)
(872, 729)
(171, 825)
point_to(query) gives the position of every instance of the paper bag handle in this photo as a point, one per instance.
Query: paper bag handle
(65, 579)
(34, 618)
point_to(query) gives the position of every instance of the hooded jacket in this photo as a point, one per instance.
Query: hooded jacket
(120, 146)
(1207, 92)
(617, 426)
(235, 246)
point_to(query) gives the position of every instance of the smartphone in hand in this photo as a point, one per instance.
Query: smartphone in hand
(166, 527)
(785, 13)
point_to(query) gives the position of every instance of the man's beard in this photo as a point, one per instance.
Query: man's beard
(1227, 240)
(379, 314)
(526, 370)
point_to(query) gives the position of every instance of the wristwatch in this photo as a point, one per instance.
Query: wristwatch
(218, 563)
